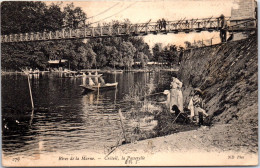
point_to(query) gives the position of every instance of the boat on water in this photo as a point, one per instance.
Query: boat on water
(99, 84)
(106, 86)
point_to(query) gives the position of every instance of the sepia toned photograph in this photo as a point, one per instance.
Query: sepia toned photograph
(129, 83)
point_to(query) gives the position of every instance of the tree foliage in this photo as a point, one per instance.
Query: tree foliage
(74, 17)
(168, 54)
(29, 16)
(36, 16)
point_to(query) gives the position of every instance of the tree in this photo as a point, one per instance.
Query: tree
(22, 16)
(172, 55)
(29, 16)
(112, 56)
(140, 46)
(73, 17)
(157, 55)
(53, 18)
(87, 57)
(143, 59)
(127, 50)
(187, 44)
(181, 52)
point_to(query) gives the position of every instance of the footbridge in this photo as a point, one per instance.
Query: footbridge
(139, 29)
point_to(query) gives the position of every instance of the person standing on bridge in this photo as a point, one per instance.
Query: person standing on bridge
(159, 24)
(164, 23)
(223, 28)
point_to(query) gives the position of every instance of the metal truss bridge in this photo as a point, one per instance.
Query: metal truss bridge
(140, 29)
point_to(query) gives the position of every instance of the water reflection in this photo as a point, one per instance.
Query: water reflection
(65, 119)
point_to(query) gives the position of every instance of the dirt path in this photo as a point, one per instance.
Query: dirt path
(217, 142)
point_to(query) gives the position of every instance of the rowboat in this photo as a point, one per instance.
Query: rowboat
(106, 86)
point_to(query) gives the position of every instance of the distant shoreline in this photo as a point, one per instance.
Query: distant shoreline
(106, 70)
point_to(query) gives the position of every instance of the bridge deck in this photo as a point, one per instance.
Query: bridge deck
(187, 26)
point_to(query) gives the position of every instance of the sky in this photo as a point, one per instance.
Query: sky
(143, 11)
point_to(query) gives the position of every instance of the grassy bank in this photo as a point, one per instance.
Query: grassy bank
(227, 73)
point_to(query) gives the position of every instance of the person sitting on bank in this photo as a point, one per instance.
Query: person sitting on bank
(196, 106)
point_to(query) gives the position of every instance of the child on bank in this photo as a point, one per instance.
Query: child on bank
(196, 107)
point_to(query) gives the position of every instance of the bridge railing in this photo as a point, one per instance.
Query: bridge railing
(197, 25)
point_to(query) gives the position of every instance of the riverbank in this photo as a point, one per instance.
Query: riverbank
(217, 138)
(222, 142)
(217, 145)
(227, 74)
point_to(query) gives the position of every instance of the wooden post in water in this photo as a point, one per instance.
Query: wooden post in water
(31, 117)
(30, 91)
(98, 92)
(121, 121)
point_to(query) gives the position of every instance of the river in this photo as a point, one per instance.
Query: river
(65, 118)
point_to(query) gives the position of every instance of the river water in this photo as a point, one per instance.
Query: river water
(65, 118)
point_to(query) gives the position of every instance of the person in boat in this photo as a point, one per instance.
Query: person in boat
(84, 80)
(102, 82)
(91, 83)
(96, 80)
(196, 106)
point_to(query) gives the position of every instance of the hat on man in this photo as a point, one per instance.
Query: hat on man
(197, 90)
